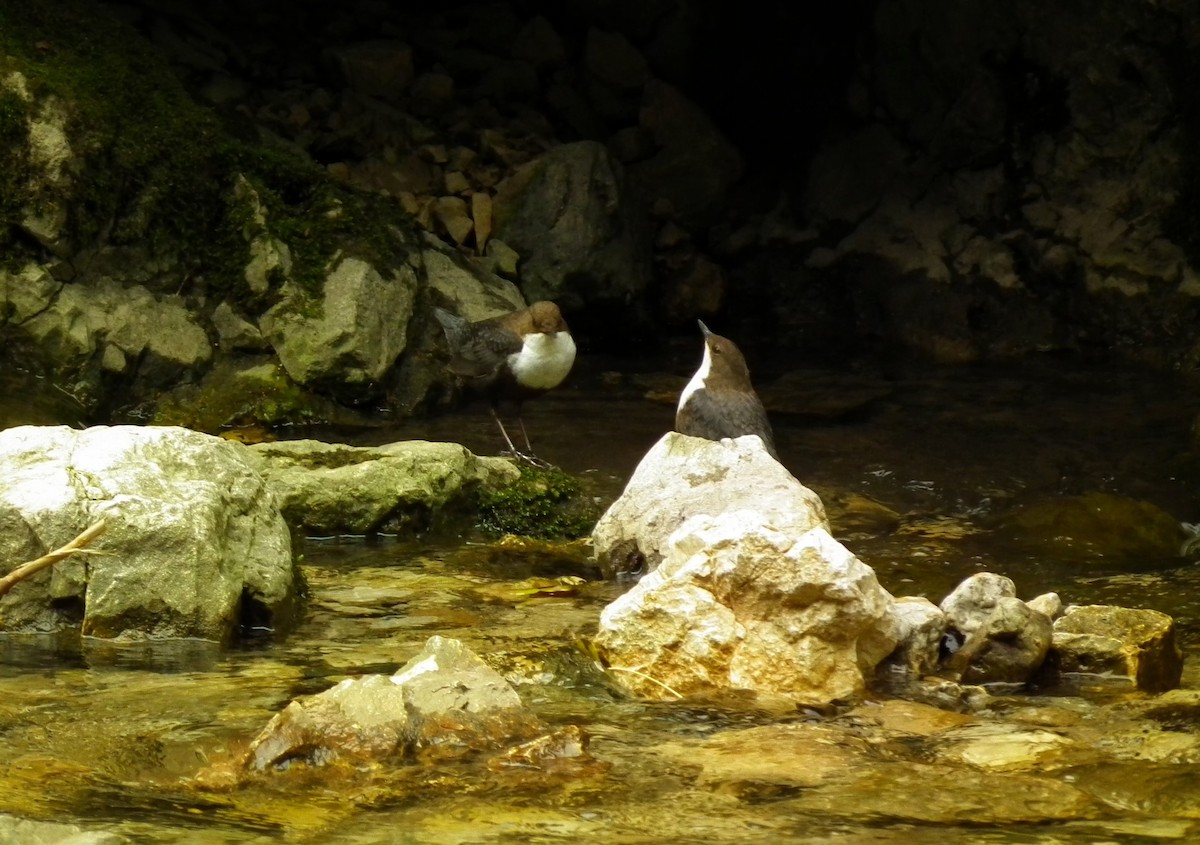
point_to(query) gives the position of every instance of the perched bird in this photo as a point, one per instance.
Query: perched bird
(720, 401)
(511, 357)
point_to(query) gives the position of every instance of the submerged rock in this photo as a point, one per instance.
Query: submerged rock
(751, 762)
(681, 477)
(28, 832)
(1095, 525)
(740, 604)
(445, 700)
(194, 535)
(935, 794)
(1001, 746)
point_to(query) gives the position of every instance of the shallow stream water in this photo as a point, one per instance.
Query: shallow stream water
(916, 467)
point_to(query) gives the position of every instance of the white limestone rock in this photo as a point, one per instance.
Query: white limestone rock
(740, 604)
(193, 533)
(681, 477)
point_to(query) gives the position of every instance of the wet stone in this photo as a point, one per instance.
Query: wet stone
(998, 746)
(919, 792)
(907, 718)
(1121, 642)
(743, 763)
(445, 699)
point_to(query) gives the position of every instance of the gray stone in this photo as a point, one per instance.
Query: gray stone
(445, 698)
(610, 58)
(453, 215)
(695, 166)
(577, 227)
(970, 604)
(348, 339)
(360, 718)
(1048, 604)
(192, 533)
(1119, 642)
(130, 331)
(539, 43)
(1005, 641)
(921, 625)
(235, 332)
(268, 256)
(381, 68)
(51, 167)
(935, 208)
(466, 289)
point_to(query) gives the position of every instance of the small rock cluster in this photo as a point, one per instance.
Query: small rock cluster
(444, 704)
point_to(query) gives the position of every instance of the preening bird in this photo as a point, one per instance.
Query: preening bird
(512, 357)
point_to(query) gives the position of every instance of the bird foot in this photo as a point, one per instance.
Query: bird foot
(531, 459)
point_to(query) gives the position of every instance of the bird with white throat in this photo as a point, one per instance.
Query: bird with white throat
(720, 401)
(511, 357)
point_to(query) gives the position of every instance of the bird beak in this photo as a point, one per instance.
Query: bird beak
(704, 328)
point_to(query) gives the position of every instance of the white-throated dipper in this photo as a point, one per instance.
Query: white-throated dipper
(511, 357)
(720, 401)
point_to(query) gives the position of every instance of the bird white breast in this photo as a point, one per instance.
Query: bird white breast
(697, 382)
(544, 360)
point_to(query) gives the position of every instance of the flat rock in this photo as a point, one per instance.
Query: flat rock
(331, 488)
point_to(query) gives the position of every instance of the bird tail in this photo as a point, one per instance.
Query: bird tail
(453, 325)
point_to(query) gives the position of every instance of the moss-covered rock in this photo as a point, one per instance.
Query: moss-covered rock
(241, 392)
(109, 164)
(546, 503)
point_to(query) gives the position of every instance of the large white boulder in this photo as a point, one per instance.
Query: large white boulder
(681, 477)
(739, 604)
(194, 537)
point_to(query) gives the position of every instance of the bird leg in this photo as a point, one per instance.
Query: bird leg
(533, 459)
(524, 433)
(511, 448)
(528, 457)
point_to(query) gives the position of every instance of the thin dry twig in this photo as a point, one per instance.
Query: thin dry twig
(644, 677)
(76, 546)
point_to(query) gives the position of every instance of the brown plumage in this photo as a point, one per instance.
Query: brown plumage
(720, 400)
(511, 357)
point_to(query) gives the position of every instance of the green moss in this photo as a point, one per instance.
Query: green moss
(543, 503)
(227, 397)
(157, 170)
(129, 120)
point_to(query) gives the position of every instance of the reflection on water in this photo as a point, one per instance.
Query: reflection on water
(915, 469)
